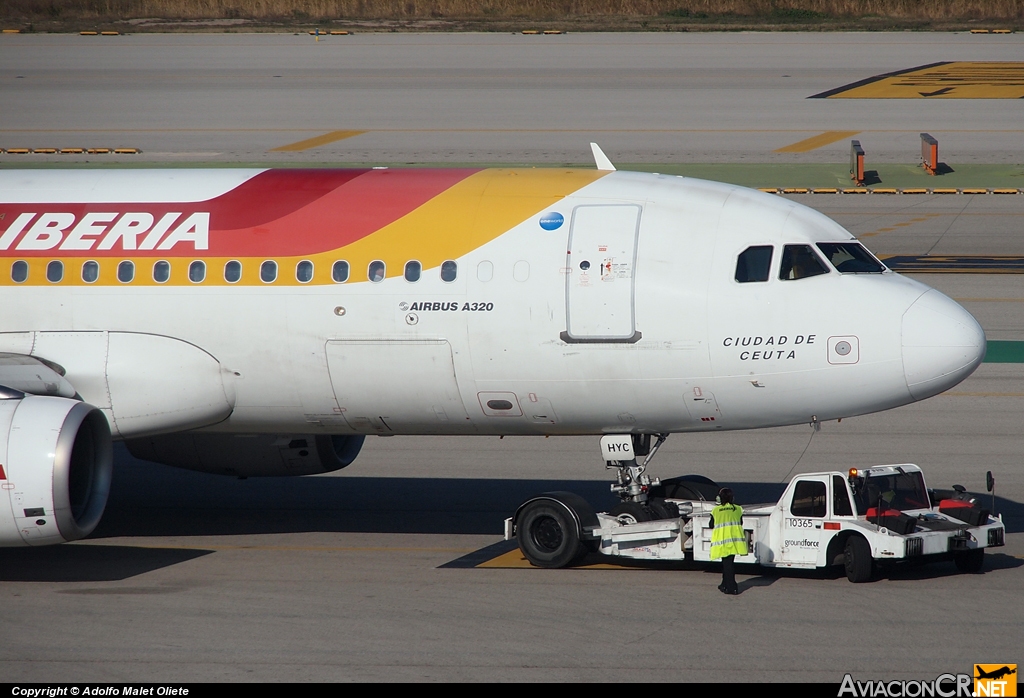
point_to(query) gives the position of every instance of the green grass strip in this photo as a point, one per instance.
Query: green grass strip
(810, 175)
(1003, 352)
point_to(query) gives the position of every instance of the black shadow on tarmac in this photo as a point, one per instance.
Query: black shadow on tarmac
(149, 500)
(87, 563)
(155, 500)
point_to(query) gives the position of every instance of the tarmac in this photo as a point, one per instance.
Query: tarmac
(385, 571)
(490, 98)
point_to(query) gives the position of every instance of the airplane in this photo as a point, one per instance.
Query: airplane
(994, 674)
(259, 322)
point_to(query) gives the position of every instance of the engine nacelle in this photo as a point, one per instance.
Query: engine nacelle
(56, 460)
(243, 455)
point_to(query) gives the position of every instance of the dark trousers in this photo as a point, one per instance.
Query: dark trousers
(729, 573)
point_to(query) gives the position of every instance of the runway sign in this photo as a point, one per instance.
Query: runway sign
(945, 80)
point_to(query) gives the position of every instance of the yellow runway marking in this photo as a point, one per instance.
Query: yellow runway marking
(947, 80)
(893, 226)
(955, 264)
(514, 559)
(317, 141)
(815, 142)
(511, 559)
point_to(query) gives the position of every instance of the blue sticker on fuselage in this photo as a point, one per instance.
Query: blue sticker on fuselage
(552, 220)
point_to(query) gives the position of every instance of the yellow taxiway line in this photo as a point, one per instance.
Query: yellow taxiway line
(514, 559)
(317, 141)
(815, 142)
(946, 80)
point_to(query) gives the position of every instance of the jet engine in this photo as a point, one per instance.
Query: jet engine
(56, 460)
(245, 455)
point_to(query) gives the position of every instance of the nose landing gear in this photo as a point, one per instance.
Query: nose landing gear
(632, 484)
(558, 529)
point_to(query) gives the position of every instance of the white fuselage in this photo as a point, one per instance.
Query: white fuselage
(655, 336)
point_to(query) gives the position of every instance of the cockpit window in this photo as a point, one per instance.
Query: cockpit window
(850, 258)
(800, 262)
(753, 264)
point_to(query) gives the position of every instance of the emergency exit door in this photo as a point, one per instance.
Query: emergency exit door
(600, 276)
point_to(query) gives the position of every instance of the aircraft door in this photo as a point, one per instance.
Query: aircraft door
(600, 274)
(383, 386)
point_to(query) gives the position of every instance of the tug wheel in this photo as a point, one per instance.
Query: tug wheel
(970, 562)
(857, 560)
(548, 535)
(630, 513)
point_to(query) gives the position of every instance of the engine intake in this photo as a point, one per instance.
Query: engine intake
(56, 461)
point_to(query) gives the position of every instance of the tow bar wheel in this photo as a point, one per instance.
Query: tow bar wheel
(548, 536)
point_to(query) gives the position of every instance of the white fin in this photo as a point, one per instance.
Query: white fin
(600, 159)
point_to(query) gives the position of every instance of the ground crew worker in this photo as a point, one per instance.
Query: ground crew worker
(727, 539)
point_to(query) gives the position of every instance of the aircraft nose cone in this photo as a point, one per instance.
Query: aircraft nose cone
(942, 344)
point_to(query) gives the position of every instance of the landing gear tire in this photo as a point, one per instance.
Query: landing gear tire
(970, 562)
(548, 536)
(630, 513)
(857, 560)
(660, 509)
(699, 478)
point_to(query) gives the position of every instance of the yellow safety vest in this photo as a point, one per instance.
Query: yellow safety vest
(728, 537)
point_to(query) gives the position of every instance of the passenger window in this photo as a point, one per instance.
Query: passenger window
(850, 258)
(55, 271)
(800, 262)
(161, 272)
(268, 272)
(484, 271)
(521, 270)
(90, 272)
(197, 272)
(233, 271)
(304, 271)
(412, 271)
(841, 505)
(339, 272)
(808, 499)
(449, 270)
(376, 271)
(126, 272)
(19, 272)
(754, 264)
